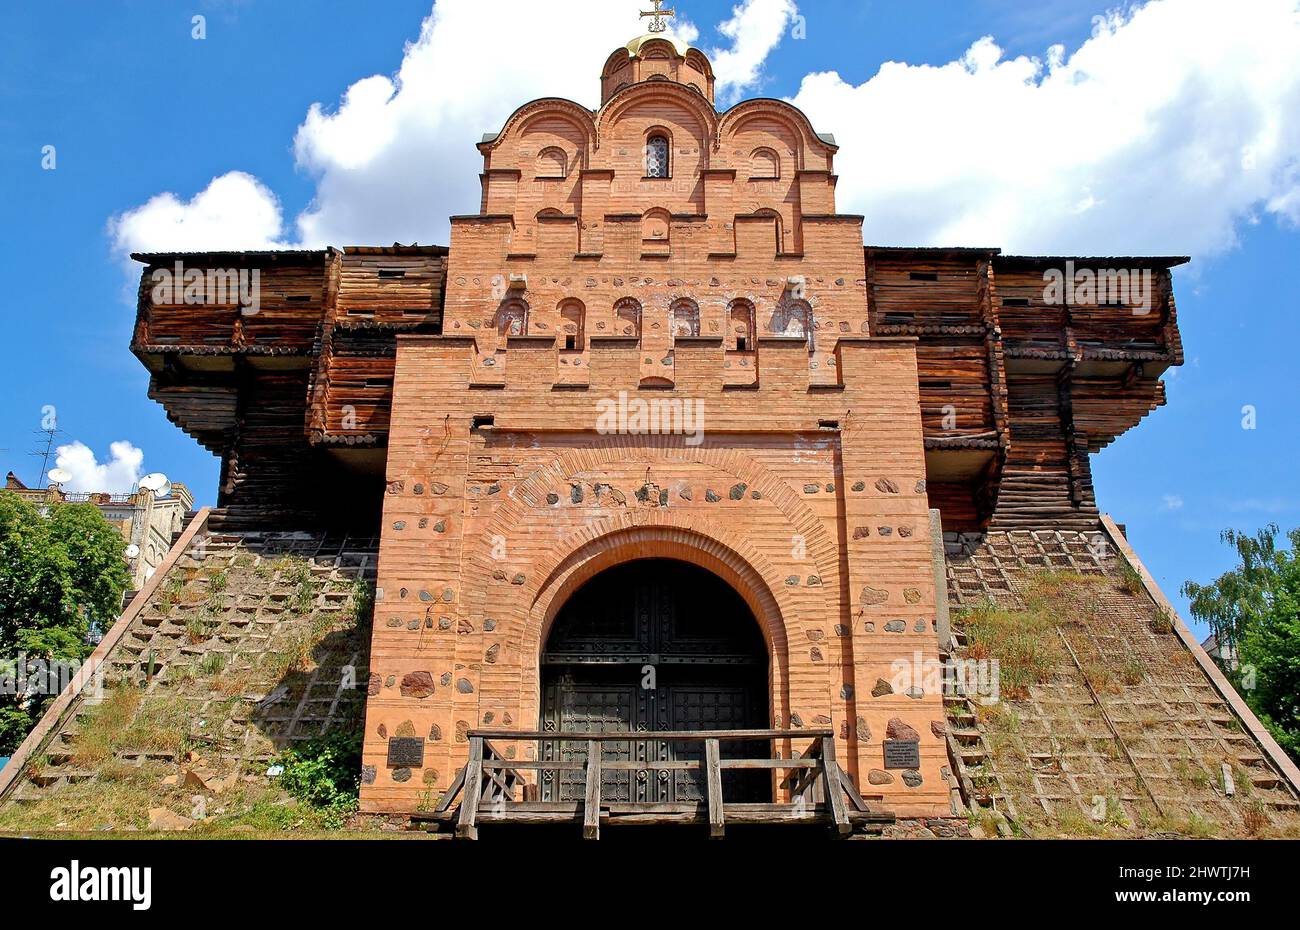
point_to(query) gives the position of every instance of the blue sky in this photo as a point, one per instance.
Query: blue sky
(136, 107)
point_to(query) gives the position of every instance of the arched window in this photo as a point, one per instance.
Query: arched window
(764, 163)
(686, 318)
(627, 317)
(742, 321)
(552, 162)
(573, 325)
(656, 157)
(512, 318)
(794, 318)
(656, 226)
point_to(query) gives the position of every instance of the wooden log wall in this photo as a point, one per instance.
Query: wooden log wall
(1015, 390)
(290, 297)
(1045, 482)
(272, 477)
(937, 296)
(382, 292)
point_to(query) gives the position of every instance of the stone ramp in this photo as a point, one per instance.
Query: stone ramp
(252, 642)
(1118, 730)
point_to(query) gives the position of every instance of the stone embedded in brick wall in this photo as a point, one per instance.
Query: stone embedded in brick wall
(911, 595)
(879, 777)
(912, 778)
(896, 626)
(885, 486)
(939, 728)
(417, 685)
(898, 729)
(882, 688)
(870, 597)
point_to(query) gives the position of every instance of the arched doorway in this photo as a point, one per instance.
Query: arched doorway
(653, 645)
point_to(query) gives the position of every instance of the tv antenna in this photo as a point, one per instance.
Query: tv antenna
(44, 454)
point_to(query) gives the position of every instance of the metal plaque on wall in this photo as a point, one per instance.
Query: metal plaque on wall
(902, 754)
(406, 752)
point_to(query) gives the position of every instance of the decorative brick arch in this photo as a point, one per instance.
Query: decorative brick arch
(795, 612)
(585, 555)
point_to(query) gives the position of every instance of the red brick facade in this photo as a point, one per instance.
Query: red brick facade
(793, 468)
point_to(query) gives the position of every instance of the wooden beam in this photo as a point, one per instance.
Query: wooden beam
(834, 788)
(466, 827)
(591, 805)
(449, 795)
(713, 774)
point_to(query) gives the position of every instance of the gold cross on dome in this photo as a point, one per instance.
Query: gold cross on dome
(659, 14)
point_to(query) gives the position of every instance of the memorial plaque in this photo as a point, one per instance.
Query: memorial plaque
(902, 754)
(406, 752)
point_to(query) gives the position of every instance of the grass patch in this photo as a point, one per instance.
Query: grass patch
(1129, 578)
(1024, 643)
(104, 725)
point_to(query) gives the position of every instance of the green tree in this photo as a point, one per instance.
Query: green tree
(58, 574)
(1254, 609)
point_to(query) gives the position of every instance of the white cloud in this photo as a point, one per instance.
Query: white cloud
(1159, 134)
(235, 210)
(1173, 502)
(756, 28)
(1172, 125)
(396, 156)
(115, 476)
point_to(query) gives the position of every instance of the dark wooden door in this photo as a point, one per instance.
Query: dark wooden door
(647, 646)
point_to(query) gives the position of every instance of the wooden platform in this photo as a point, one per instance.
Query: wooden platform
(494, 789)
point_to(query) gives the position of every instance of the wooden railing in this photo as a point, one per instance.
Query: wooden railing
(495, 789)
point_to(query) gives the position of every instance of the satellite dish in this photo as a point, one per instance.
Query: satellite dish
(60, 475)
(132, 551)
(157, 483)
